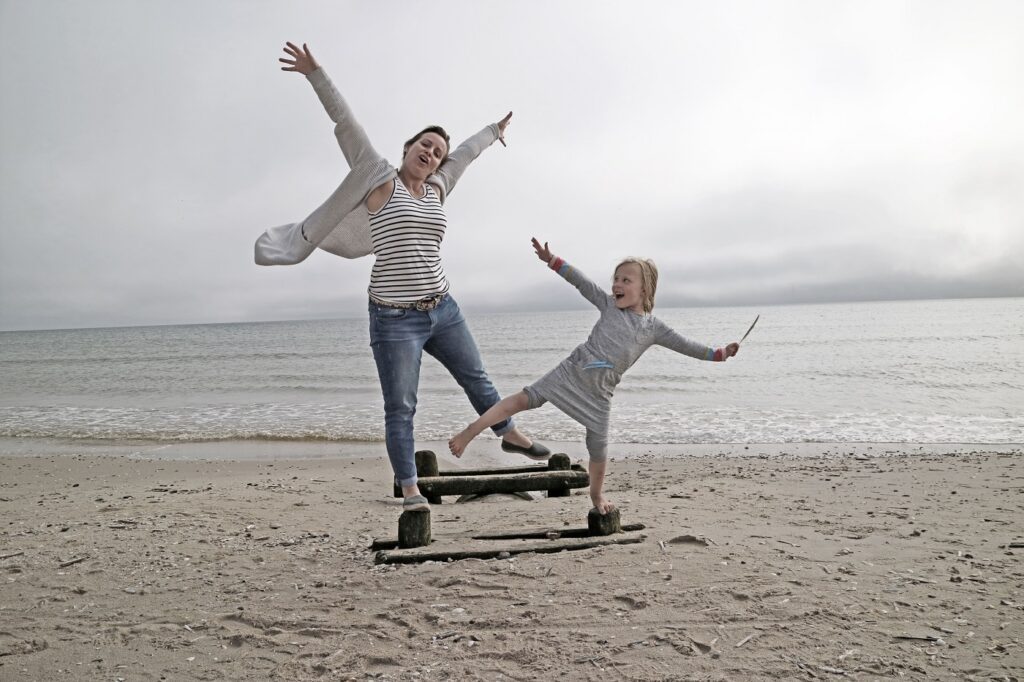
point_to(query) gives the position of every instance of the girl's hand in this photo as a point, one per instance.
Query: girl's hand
(732, 349)
(542, 251)
(301, 60)
(502, 124)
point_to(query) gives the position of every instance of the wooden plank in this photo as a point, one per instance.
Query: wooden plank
(539, 534)
(499, 471)
(537, 479)
(419, 555)
(547, 532)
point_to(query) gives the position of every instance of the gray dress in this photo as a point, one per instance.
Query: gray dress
(582, 385)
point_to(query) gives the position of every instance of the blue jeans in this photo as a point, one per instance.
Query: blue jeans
(398, 338)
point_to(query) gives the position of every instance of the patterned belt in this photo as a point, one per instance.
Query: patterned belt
(423, 305)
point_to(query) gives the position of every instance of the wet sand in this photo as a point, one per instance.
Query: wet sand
(802, 562)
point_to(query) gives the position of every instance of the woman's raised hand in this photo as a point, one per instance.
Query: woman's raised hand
(502, 124)
(301, 60)
(542, 251)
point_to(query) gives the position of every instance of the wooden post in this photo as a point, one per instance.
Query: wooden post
(426, 466)
(604, 524)
(559, 462)
(414, 529)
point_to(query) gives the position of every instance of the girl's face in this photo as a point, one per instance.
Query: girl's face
(424, 155)
(627, 288)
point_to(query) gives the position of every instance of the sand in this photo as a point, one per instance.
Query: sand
(866, 562)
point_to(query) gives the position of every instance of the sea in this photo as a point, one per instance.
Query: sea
(946, 371)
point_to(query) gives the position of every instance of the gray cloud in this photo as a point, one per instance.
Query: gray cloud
(761, 153)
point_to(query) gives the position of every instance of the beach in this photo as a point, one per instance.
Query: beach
(810, 561)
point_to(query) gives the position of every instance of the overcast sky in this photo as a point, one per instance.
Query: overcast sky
(760, 152)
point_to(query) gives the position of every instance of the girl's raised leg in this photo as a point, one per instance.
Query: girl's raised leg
(500, 411)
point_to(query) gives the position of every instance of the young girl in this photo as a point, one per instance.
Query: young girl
(582, 385)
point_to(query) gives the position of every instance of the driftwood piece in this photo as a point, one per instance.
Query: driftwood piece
(539, 534)
(412, 556)
(548, 532)
(475, 496)
(557, 462)
(72, 562)
(498, 471)
(539, 479)
(414, 529)
(604, 524)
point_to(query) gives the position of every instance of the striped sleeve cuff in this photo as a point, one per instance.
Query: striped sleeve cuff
(558, 265)
(716, 354)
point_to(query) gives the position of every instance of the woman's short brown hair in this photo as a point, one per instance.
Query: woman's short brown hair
(648, 279)
(438, 130)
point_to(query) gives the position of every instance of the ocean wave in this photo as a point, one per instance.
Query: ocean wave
(656, 424)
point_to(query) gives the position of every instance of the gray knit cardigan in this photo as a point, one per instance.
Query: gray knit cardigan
(341, 224)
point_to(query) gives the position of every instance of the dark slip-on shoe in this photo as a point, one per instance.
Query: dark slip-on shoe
(536, 451)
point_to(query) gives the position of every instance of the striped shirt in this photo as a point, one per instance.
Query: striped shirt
(406, 234)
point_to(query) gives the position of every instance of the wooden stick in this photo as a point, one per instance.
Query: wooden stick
(412, 556)
(745, 640)
(8, 556)
(72, 562)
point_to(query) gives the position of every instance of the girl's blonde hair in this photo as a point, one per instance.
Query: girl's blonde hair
(648, 279)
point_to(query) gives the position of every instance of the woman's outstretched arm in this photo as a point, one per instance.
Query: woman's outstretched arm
(455, 165)
(352, 139)
(302, 60)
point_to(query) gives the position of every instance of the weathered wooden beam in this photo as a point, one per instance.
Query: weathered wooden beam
(498, 471)
(550, 533)
(540, 534)
(510, 483)
(412, 556)
(557, 462)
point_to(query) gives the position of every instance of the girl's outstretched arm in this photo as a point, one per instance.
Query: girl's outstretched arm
(672, 340)
(593, 293)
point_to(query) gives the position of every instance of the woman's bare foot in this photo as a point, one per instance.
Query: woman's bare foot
(602, 505)
(458, 444)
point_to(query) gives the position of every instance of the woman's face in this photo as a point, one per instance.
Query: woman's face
(425, 155)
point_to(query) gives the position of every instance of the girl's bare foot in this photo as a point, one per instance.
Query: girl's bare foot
(458, 444)
(602, 505)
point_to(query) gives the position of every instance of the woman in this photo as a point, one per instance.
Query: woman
(398, 215)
